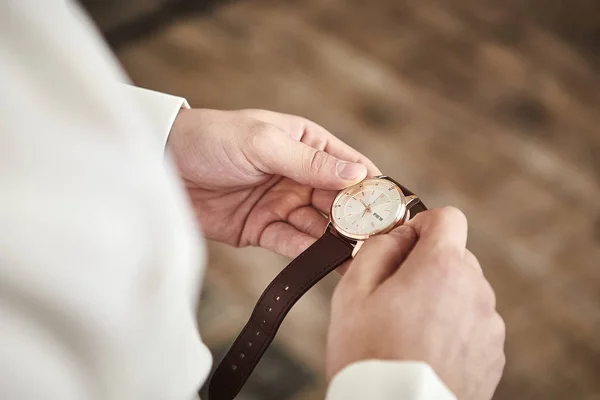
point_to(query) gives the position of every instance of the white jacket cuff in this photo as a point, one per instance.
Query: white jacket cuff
(387, 380)
(160, 109)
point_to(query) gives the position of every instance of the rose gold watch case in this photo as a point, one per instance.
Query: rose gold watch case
(401, 216)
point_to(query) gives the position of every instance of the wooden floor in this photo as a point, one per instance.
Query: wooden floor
(486, 105)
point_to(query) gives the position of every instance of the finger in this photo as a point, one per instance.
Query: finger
(314, 135)
(379, 258)
(471, 260)
(442, 233)
(314, 132)
(284, 239)
(323, 199)
(275, 152)
(308, 220)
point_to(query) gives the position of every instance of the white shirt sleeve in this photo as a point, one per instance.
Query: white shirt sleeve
(100, 261)
(388, 380)
(160, 109)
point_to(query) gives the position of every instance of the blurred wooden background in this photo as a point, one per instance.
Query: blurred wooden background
(489, 106)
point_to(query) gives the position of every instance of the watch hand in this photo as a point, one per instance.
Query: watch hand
(375, 200)
(363, 203)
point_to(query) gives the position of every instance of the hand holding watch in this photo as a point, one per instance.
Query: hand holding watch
(372, 207)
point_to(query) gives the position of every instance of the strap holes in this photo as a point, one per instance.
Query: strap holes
(286, 287)
(257, 333)
(264, 321)
(277, 298)
(242, 355)
(233, 367)
(269, 309)
(249, 344)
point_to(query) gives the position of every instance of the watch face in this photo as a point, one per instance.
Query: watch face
(370, 207)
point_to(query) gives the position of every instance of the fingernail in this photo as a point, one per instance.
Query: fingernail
(350, 171)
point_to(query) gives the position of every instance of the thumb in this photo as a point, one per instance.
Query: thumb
(379, 258)
(279, 154)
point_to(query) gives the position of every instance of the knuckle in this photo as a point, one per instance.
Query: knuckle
(497, 331)
(499, 363)
(502, 361)
(471, 258)
(486, 297)
(500, 327)
(261, 134)
(450, 215)
(316, 161)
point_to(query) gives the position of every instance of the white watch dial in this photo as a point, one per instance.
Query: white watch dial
(373, 206)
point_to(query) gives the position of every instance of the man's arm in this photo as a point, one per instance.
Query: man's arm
(374, 379)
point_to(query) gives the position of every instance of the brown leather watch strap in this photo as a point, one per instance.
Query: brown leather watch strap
(415, 207)
(327, 253)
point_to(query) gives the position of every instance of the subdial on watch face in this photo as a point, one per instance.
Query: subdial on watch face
(371, 207)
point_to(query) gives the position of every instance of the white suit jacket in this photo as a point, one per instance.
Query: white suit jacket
(100, 261)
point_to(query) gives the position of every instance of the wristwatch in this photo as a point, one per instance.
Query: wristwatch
(372, 207)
